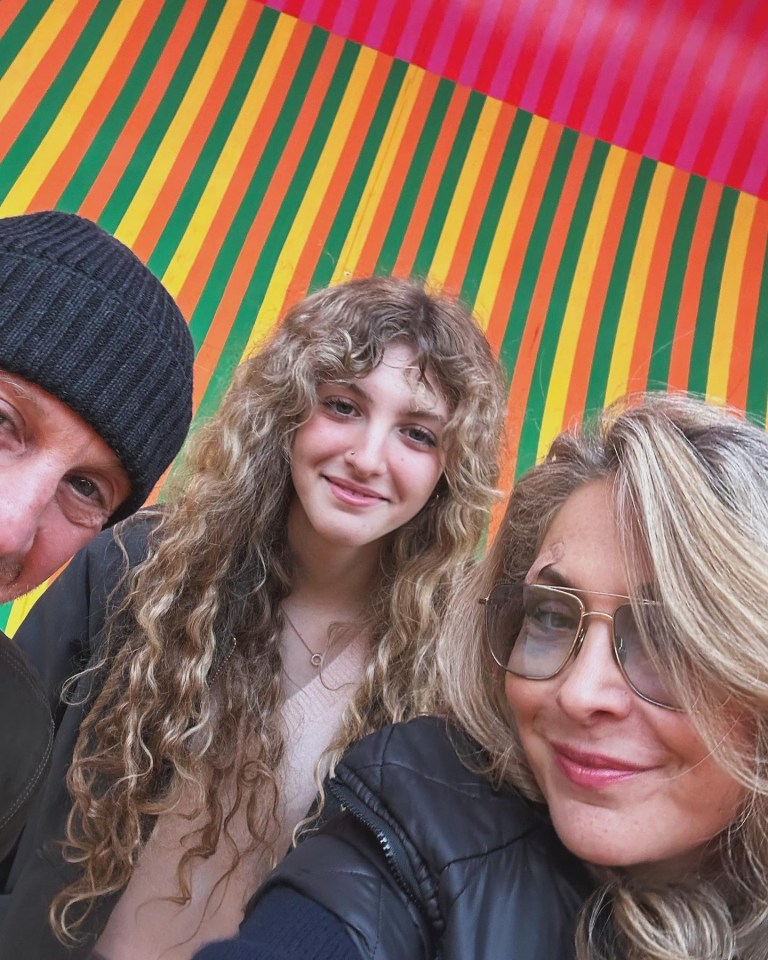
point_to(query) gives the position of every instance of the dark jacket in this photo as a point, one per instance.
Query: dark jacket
(61, 634)
(420, 858)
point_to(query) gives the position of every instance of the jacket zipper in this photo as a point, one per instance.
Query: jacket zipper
(395, 855)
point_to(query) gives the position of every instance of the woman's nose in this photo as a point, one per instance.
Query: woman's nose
(368, 454)
(592, 683)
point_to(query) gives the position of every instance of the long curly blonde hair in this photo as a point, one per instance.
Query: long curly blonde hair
(690, 489)
(192, 687)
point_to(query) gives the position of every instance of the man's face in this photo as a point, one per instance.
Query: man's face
(59, 483)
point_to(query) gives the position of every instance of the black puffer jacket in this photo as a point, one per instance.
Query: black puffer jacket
(421, 858)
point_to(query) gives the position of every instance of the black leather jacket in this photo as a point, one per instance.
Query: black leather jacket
(419, 857)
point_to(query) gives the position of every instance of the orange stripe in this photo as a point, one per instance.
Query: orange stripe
(244, 171)
(82, 136)
(11, 10)
(522, 375)
(470, 229)
(242, 272)
(314, 244)
(28, 101)
(513, 265)
(189, 151)
(601, 278)
(746, 314)
(430, 184)
(657, 275)
(135, 127)
(390, 195)
(680, 359)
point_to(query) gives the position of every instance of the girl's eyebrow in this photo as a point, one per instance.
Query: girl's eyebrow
(354, 387)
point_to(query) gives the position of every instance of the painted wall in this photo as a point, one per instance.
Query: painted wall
(570, 168)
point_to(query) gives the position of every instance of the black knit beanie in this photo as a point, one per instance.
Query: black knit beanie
(83, 318)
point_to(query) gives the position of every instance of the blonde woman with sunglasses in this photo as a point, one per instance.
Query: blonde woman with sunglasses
(603, 795)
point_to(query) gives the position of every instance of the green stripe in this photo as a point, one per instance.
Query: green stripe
(510, 345)
(617, 286)
(275, 241)
(119, 113)
(157, 128)
(19, 32)
(42, 119)
(496, 199)
(710, 292)
(406, 202)
(5, 612)
(553, 321)
(669, 308)
(757, 389)
(448, 182)
(254, 195)
(350, 202)
(200, 175)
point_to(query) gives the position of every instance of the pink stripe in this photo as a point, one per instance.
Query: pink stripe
(445, 37)
(490, 12)
(516, 38)
(309, 12)
(735, 128)
(548, 45)
(592, 25)
(378, 26)
(753, 181)
(679, 85)
(412, 31)
(606, 78)
(345, 15)
(643, 71)
(714, 86)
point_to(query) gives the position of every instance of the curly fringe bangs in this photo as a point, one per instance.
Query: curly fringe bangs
(196, 673)
(690, 488)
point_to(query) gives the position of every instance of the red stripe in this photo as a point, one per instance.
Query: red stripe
(394, 32)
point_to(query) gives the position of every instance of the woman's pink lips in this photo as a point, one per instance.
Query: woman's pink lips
(352, 493)
(593, 769)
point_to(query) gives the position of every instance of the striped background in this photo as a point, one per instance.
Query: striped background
(249, 155)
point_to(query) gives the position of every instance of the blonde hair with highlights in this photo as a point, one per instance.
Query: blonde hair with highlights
(690, 490)
(183, 705)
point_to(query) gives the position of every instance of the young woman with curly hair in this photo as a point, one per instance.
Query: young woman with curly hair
(607, 796)
(289, 603)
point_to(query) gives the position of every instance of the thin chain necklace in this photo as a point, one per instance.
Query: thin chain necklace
(316, 659)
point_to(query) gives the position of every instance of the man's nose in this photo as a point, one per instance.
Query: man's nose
(24, 496)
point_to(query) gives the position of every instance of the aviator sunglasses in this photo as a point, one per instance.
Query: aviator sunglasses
(534, 630)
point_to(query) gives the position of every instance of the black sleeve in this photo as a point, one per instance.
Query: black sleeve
(286, 926)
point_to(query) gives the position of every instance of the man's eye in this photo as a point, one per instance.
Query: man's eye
(85, 488)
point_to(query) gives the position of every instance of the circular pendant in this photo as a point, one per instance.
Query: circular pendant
(316, 660)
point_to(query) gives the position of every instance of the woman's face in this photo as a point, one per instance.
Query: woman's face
(627, 782)
(369, 456)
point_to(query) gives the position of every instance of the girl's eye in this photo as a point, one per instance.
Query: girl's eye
(340, 406)
(421, 436)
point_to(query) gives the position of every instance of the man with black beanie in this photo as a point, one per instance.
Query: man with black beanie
(95, 401)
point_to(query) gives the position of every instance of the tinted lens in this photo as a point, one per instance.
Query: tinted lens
(531, 628)
(635, 658)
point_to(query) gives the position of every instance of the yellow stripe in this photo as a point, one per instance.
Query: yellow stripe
(60, 132)
(231, 154)
(626, 332)
(465, 188)
(27, 60)
(21, 607)
(313, 197)
(728, 300)
(189, 109)
(567, 344)
(510, 214)
(379, 175)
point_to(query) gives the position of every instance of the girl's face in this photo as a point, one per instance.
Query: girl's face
(370, 455)
(626, 782)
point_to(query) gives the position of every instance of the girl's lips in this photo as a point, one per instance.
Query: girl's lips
(593, 769)
(353, 493)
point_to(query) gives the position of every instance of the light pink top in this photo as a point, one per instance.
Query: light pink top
(144, 925)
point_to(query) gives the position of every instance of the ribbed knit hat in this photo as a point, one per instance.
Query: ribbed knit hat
(83, 318)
